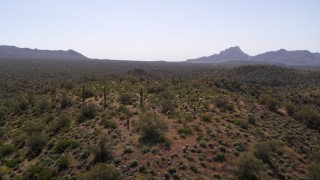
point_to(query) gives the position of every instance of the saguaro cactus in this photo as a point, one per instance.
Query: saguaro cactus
(104, 98)
(141, 96)
(83, 96)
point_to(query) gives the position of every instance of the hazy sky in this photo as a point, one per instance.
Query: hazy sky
(160, 29)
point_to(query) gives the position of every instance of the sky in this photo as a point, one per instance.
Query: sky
(171, 30)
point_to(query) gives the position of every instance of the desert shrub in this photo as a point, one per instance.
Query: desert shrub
(36, 143)
(188, 117)
(172, 170)
(41, 106)
(102, 171)
(40, 172)
(133, 163)
(291, 109)
(262, 151)
(65, 101)
(314, 167)
(252, 119)
(33, 127)
(242, 124)
(219, 157)
(271, 102)
(88, 111)
(314, 171)
(152, 128)
(206, 118)
(167, 95)
(63, 163)
(6, 149)
(14, 162)
(167, 106)
(109, 123)
(185, 131)
(223, 104)
(217, 175)
(309, 116)
(102, 152)
(60, 123)
(193, 168)
(155, 88)
(125, 98)
(88, 92)
(63, 144)
(128, 150)
(249, 167)
(3, 113)
(22, 104)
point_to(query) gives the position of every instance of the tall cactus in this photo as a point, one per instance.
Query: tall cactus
(141, 97)
(83, 96)
(104, 98)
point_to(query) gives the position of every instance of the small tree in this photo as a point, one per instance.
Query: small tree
(141, 97)
(151, 127)
(102, 152)
(249, 167)
(65, 101)
(102, 171)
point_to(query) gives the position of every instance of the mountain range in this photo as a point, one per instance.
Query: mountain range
(282, 56)
(231, 56)
(26, 53)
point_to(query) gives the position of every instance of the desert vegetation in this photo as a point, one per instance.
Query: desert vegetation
(138, 120)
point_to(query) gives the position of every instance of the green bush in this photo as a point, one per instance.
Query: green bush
(262, 151)
(102, 152)
(40, 172)
(102, 171)
(6, 149)
(155, 88)
(242, 124)
(223, 104)
(36, 143)
(185, 131)
(22, 104)
(134, 163)
(128, 150)
(219, 157)
(314, 171)
(65, 101)
(63, 144)
(249, 167)
(271, 102)
(88, 92)
(33, 127)
(172, 170)
(252, 119)
(206, 118)
(291, 109)
(63, 163)
(109, 123)
(152, 128)
(309, 116)
(167, 106)
(59, 124)
(3, 113)
(126, 98)
(88, 111)
(41, 106)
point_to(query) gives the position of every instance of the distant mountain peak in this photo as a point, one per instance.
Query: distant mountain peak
(14, 52)
(282, 56)
(232, 53)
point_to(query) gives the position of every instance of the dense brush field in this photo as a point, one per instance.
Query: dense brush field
(139, 120)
